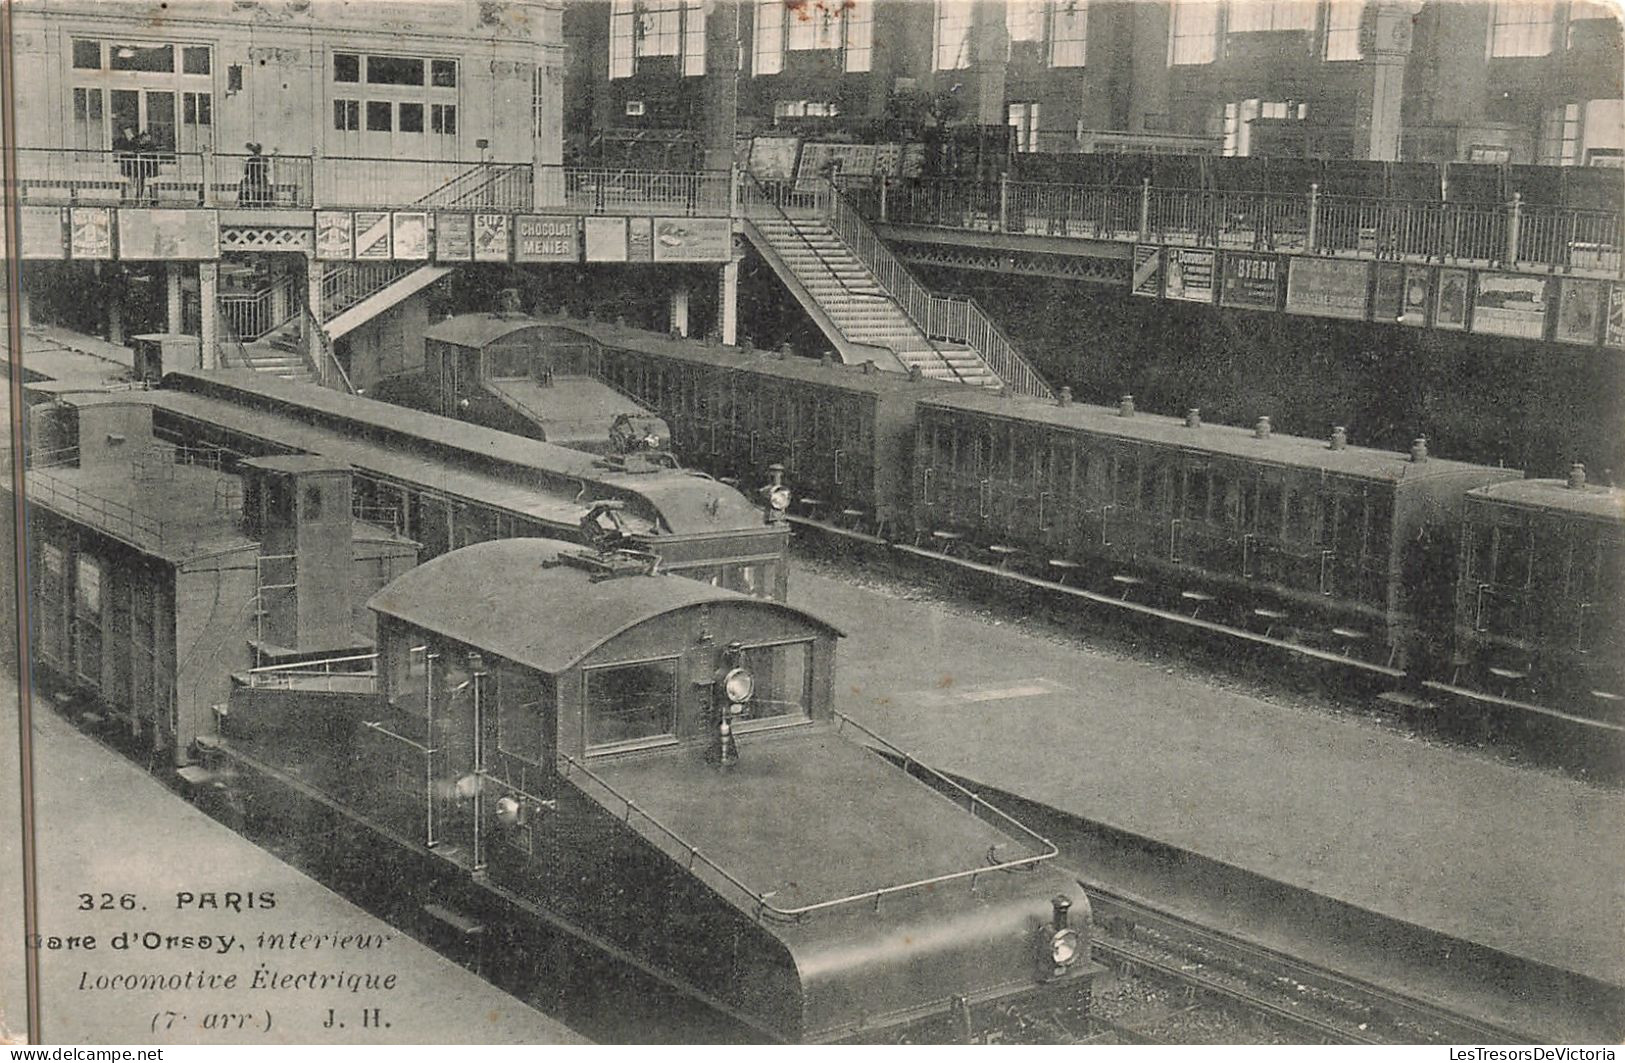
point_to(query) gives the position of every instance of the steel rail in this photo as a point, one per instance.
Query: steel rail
(1394, 1005)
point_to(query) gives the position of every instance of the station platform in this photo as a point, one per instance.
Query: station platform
(1524, 862)
(108, 830)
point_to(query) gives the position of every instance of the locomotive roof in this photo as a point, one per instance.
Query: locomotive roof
(1280, 448)
(1591, 500)
(570, 408)
(766, 363)
(506, 596)
(481, 330)
(687, 501)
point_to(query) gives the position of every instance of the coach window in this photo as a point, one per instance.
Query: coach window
(783, 685)
(87, 618)
(631, 705)
(521, 731)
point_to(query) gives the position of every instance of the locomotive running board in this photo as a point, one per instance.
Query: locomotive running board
(594, 940)
(1153, 611)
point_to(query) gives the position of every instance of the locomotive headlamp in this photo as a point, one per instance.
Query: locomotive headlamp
(1063, 947)
(739, 685)
(509, 812)
(779, 498)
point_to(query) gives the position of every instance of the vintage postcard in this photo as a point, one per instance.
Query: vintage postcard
(813, 521)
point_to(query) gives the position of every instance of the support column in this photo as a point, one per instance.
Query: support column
(677, 320)
(721, 89)
(728, 301)
(115, 320)
(1382, 81)
(313, 322)
(25, 307)
(547, 140)
(174, 312)
(208, 284)
(280, 309)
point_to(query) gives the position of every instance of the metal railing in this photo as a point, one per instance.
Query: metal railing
(690, 854)
(1511, 235)
(319, 675)
(70, 175)
(253, 315)
(953, 318)
(347, 283)
(329, 370)
(262, 180)
(693, 193)
(435, 183)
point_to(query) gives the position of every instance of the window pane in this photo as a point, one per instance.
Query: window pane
(205, 108)
(1343, 29)
(443, 74)
(1024, 19)
(769, 37)
(388, 70)
(411, 118)
(346, 67)
(378, 116)
(693, 38)
(1521, 27)
(781, 675)
(519, 714)
(155, 58)
(860, 30)
(87, 55)
(621, 31)
(1194, 33)
(194, 60)
(1263, 15)
(953, 34)
(341, 114)
(631, 703)
(1069, 37)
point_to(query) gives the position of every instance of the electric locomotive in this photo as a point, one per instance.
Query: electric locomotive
(657, 766)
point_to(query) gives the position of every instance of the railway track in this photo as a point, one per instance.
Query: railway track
(1295, 994)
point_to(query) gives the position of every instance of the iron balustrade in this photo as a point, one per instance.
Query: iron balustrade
(604, 191)
(361, 182)
(261, 180)
(957, 319)
(691, 855)
(319, 674)
(76, 176)
(1513, 235)
(252, 315)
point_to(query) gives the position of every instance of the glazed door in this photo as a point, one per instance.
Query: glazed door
(456, 685)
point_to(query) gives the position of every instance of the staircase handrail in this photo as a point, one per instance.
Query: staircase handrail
(764, 197)
(822, 203)
(319, 363)
(926, 309)
(227, 337)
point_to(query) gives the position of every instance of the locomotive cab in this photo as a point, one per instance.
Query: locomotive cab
(659, 763)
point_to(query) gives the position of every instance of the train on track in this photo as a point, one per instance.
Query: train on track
(1448, 582)
(530, 735)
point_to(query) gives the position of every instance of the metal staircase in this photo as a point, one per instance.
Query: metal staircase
(857, 291)
(822, 266)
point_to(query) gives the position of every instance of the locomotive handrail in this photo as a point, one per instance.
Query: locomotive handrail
(692, 853)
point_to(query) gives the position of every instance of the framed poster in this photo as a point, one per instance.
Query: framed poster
(1328, 287)
(453, 237)
(1251, 281)
(639, 240)
(1450, 311)
(1614, 331)
(491, 238)
(1413, 307)
(1579, 311)
(92, 232)
(335, 234)
(409, 230)
(1188, 274)
(693, 239)
(372, 235)
(151, 233)
(1510, 304)
(43, 235)
(605, 239)
(540, 238)
(1147, 277)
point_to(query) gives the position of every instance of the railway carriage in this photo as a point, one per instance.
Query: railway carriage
(843, 433)
(452, 483)
(1333, 543)
(658, 766)
(1538, 597)
(512, 372)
